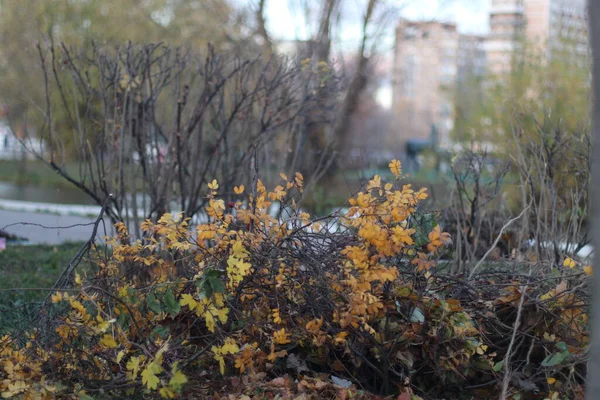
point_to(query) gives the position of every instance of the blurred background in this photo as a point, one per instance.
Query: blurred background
(485, 102)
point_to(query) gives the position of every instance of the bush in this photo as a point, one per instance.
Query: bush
(250, 305)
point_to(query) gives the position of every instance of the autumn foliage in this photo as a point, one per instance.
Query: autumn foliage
(255, 305)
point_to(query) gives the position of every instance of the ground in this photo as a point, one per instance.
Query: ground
(27, 271)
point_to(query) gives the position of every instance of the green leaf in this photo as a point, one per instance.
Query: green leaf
(171, 305)
(498, 366)
(423, 224)
(153, 304)
(554, 359)
(161, 331)
(122, 319)
(237, 324)
(216, 284)
(562, 346)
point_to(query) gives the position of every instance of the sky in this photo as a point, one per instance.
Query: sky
(285, 21)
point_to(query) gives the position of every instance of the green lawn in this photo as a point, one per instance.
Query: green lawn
(35, 173)
(25, 271)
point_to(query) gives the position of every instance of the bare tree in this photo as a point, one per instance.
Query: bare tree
(153, 125)
(261, 21)
(374, 20)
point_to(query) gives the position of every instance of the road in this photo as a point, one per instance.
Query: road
(44, 228)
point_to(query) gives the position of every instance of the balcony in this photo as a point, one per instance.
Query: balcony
(507, 9)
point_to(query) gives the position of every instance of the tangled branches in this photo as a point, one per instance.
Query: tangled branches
(248, 305)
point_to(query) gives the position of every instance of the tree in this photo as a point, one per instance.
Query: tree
(537, 119)
(375, 15)
(153, 125)
(537, 87)
(80, 23)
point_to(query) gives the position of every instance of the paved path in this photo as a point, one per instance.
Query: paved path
(49, 228)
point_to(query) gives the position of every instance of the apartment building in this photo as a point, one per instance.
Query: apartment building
(559, 25)
(471, 57)
(424, 76)
(552, 26)
(507, 24)
(430, 59)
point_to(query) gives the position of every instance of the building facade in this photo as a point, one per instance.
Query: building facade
(430, 60)
(551, 26)
(424, 76)
(507, 24)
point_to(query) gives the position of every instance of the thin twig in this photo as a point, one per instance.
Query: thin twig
(506, 361)
(496, 241)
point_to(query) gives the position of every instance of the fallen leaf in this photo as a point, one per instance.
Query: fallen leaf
(277, 382)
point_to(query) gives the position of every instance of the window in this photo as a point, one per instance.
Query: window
(410, 32)
(409, 75)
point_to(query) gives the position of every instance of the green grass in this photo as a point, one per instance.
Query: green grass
(25, 271)
(35, 173)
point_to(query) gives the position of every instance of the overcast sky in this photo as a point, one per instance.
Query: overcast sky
(285, 19)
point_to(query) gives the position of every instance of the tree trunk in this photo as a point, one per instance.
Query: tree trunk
(593, 378)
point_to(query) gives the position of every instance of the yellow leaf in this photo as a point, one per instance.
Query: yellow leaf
(149, 377)
(133, 365)
(209, 319)
(222, 314)
(481, 349)
(276, 317)
(78, 279)
(588, 270)
(551, 381)
(167, 393)
(570, 263)
(239, 189)
(299, 180)
(396, 168)
(281, 337)
(14, 388)
(283, 176)
(56, 297)
(314, 325)
(102, 324)
(108, 341)
(437, 239)
(188, 300)
(120, 356)
(178, 379)
(230, 346)
(340, 338)
(374, 183)
(276, 354)
(161, 352)
(213, 185)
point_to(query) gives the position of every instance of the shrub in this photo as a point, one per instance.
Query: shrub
(248, 304)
